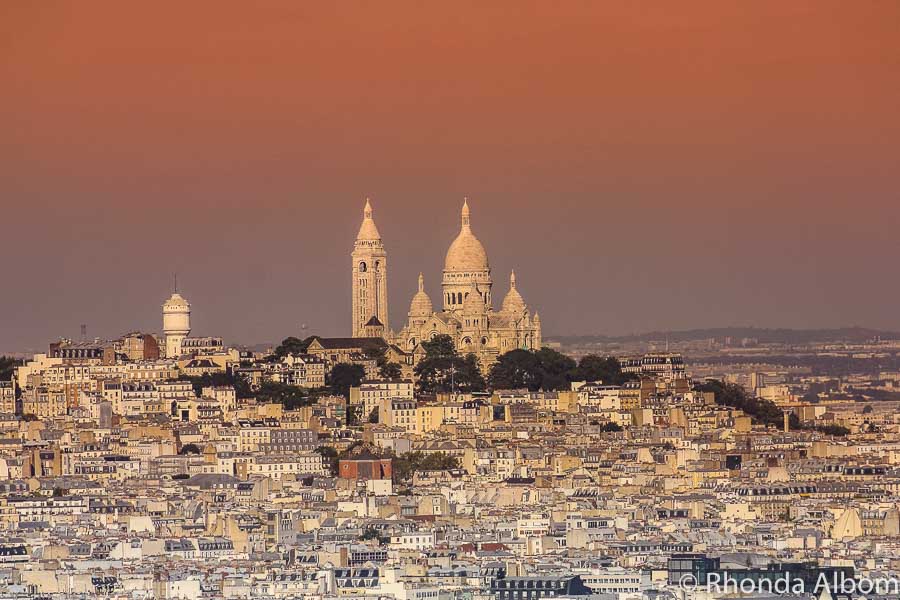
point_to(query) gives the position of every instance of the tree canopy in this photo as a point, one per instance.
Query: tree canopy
(444, 370)
(344, 376)
(390, 370)
(599, 368)
(293, 345)
(219, 379)
(291, 397)
(735, 396)
(547, 369)
(406, 465)
(190, 448)
(8, 365)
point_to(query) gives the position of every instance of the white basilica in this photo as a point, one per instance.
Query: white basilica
(468, 316)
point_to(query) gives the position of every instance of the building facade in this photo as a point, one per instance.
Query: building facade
(467, 314)
(369, 268)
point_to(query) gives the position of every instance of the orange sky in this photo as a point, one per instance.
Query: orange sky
(642, 165)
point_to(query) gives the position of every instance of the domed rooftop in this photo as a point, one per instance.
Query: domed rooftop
(466, 253)
(421, 304)
(513, 302)
(368, 231)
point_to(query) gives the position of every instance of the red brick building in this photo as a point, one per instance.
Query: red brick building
(363, 464)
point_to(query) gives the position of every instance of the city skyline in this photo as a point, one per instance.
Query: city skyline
(768, 172)
(449, 301)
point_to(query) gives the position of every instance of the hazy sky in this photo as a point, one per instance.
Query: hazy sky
(642, 165)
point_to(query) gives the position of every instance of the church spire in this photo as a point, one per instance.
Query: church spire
(421, 283)
(465, 213)
(367, 230)
(512, 279)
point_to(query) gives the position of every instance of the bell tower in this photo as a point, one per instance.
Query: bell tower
(369, 271)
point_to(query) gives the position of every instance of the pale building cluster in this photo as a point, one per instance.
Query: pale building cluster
(467, 314)
(156, 467)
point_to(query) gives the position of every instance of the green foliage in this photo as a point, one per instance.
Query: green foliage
(835, 430)
(8, 366)
(440, 347)
(219, 379)
(550, 370)
(343, 376)
(293, 345)
(189, 449)
(735, 396)
(352, 415)
(390, 370)
(406, 465)
(291, 397)
(330, 454)
(515, 370)
(598, 368)
(444, 370)
(371, 533)
(376, 352)
(373, 415)
(611, 426)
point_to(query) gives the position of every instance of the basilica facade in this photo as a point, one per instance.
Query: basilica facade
(467, 314)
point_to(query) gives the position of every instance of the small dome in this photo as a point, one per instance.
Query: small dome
(367, 230)
(421, 304)
(513, 302)
(466, 253)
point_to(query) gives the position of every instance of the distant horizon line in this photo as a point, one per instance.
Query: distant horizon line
(556, 337)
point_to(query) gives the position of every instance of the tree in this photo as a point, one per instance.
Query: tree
(330, 455)
(371, 533)
(293, 345)
(219, 379)
(545, 369)
(735, 396)
(406, 465)
(612, 426)
(291, 397)
(597, 368)
(516, 369)
(8, 366)
(352, 415)
(444, 370)
(390, 370)
(189, 449)
(344, 376)
(556, 369)
(59, 492)
(835, 430)
(373, 415)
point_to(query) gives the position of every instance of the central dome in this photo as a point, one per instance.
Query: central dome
(466, 253)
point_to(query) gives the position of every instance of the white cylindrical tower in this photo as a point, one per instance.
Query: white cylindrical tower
(176, 323)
